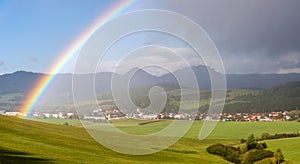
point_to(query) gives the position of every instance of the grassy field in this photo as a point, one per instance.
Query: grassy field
(223, 130)
(290, 147)
(31, 141)
(72, 122)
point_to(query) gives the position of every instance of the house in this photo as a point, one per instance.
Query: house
(47, 115)
(274, 114)
(115, 116)
(70, 114)
(97, 110)
(179, 116)
(264, 119)
(150, 116)
(61, 115)
(55, 115)
(94, 118)
(14, 114)
(36, 114)
(2, 112)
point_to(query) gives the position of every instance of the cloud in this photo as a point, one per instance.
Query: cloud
(1, 63)
(242, 26)
(34, 59)
(155, 60)
(261, 63)
(290, 60)
(251, 36)
(289, 70)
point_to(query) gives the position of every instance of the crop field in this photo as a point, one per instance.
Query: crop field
(31, 141)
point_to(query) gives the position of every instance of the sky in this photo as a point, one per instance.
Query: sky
(251, 36)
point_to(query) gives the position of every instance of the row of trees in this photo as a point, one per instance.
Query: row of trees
(267, 136)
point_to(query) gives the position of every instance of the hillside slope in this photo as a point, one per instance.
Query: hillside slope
(279, 98)
(24, 141)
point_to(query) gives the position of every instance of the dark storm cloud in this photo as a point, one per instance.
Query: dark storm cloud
(255, 30)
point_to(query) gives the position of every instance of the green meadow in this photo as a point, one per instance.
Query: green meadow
(27, 141)
(289, 146)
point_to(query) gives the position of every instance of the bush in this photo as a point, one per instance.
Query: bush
(279, 156)
(217, 149)
(256, 155)
(251, 142)
(265, 136)
(229, 153)
(243, 141)
(261, 145)
(243, 149)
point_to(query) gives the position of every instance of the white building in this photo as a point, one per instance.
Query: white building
(14, 114)
(47, 115)
(2, 112)
(70, 114)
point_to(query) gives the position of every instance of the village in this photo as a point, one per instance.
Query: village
(100, 115)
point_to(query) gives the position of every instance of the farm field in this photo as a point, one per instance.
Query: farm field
(72, 122)
(223, 130)
(31, 141)
(290, 148)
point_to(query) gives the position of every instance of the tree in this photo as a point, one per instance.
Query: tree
(243, 141)
(251, 142)
(279, 156)
(261, 145)
(265, 136)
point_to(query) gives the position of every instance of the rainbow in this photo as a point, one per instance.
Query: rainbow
(68, 53)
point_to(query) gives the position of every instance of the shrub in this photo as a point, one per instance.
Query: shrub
(243, 141)
(251, 142)
(261, 145)
(279, 156)
(243, 149)
(217, 149)
(265, 136)
(229, 153)
(256, 155)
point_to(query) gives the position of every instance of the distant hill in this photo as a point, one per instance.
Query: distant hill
(18, 82)
(284, 97)
(279, 98)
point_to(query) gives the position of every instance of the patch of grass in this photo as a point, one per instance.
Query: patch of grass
(289, 146)
(149, 122)
(59, 121)
(238, 130)
(182, 151)
(11, 156)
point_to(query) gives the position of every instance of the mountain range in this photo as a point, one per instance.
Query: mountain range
(272, 91)
(23, 82)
